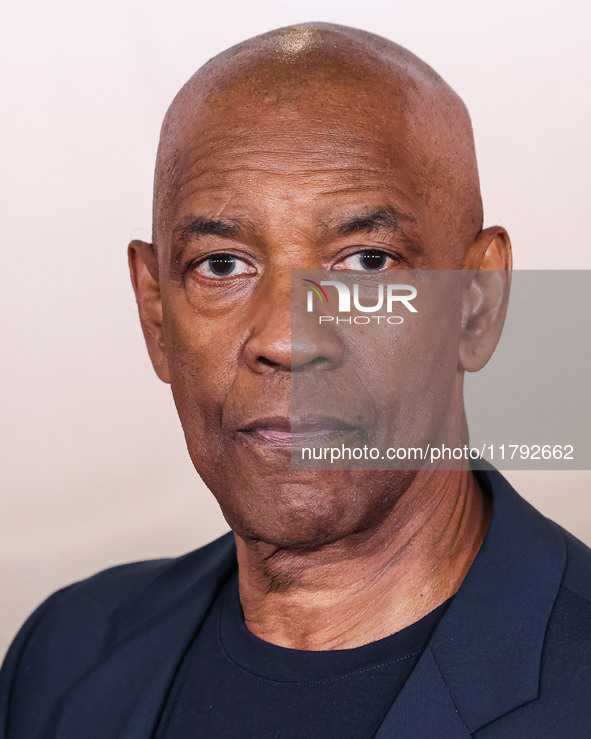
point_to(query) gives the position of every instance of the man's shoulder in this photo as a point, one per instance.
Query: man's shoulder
(81, 624)
(111, 589)
(96, 598)
(541, 541)
(562, 704)
(574, 592)
(569, 627)
(577, 573)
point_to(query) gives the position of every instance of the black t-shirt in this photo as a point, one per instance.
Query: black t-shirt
(233, 684)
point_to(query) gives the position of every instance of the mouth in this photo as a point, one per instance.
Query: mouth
(282, 432)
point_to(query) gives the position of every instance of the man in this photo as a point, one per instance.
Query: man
(427, 603)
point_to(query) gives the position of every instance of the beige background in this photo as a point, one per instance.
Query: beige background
(94, 468)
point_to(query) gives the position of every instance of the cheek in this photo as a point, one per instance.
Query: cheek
(202, 354)
(409, 370)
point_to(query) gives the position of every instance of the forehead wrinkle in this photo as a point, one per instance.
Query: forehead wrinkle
(375, 156)
(388, 190)
(309, 172)
(201, 185)
(288, 162)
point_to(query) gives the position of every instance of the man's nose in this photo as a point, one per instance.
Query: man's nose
(286, 337)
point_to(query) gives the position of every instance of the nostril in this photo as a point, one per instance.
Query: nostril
(317, 360)
(267, 362)
(319, 363)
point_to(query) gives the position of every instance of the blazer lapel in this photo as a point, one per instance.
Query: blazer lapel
(424, 707)
(483, 660)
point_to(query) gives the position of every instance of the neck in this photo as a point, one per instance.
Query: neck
(363, 588)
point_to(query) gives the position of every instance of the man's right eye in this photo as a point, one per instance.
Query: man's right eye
(223, 265)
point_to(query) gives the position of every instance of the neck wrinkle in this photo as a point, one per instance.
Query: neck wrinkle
(362, 589)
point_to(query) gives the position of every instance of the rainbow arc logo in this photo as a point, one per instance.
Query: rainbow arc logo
(317, 289)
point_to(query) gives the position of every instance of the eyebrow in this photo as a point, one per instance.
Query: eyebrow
(197, 226)
(384, 218)
(380, 219)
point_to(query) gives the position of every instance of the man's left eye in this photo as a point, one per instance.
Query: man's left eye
(223, 265)
(368, 260)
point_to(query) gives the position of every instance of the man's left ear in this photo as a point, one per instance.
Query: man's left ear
(487, 266)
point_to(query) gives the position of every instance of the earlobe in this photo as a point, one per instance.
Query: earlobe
(143, 268)
(485, 297)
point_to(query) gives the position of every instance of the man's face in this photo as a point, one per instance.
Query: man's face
(260, 191)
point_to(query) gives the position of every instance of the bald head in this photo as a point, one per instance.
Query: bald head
(329, 76)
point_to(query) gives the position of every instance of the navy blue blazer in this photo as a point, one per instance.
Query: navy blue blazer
(511, 657)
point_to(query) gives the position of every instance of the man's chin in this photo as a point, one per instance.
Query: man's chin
(294, 540)
(305, 516)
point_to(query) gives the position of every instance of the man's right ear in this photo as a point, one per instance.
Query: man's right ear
(143, 266)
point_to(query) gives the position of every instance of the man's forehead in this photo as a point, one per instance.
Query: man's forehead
(309, 178)
(343, 150)
(314, 82)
